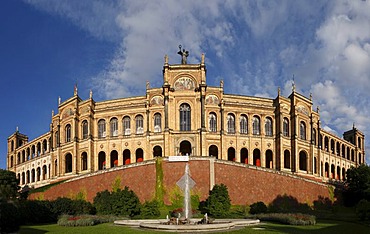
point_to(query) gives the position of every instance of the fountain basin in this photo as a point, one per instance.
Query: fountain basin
(217, 225)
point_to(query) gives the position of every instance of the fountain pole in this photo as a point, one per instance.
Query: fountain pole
(187, 192)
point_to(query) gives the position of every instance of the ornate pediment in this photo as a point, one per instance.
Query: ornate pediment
(212, 100)
(156, 101)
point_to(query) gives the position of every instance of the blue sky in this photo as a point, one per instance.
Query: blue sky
(114, 47)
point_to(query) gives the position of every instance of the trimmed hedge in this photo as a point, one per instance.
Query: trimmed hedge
(288, 218)
(84, 220)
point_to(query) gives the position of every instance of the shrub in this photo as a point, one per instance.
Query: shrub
(68, 206)
(258, 208)
(83, 220)
(122, 202)
(218, 202)
(287, 204)
(363, 210)
(36, 212)
(9, 217)
(150, 209)
(292, 219)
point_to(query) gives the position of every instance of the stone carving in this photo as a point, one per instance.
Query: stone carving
(184, 55)
(156, 100)
(212, 100)
(67, 113)
(184, 83)
(302, 109)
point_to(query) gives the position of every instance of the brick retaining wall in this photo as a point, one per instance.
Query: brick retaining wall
(246, 184)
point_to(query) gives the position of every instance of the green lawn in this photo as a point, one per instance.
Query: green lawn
(322, 227)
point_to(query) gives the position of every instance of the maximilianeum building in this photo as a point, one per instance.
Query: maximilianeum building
(184, 117)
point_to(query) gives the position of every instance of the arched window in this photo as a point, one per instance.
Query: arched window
(302, 130)
(243, 124)
(244, 155)
(268, 126)
(286, 159)
(68, 133)
(139, 155)
(84, 161)
(231, 154)
(126, 126)
(269, 160)
(213, 151)
(68, 163)
(101, 129)
(113, 158)
(12, 146)
(139, 120)
(286, 127)
(157, 151)
(256, 125)
(85, 130)
(359, 143)
(57, 142)
(302, 161)
(212, 122)
(157, 122)
(314, 136)
(185, 117)
(230, 123)
(114, 127)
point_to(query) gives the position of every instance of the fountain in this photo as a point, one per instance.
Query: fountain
(186, 223)
(186, 183)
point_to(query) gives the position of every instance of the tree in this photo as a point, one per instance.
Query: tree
(8, 185)
(218, 202)
(357, 185)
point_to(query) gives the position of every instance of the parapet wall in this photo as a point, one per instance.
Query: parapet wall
(246, 184)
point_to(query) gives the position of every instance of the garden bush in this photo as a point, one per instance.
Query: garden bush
(68, 206)
(150, 209)
(84, 220)
(9, 217)
(288, 218)
(218, 202)
(121, 202)
(36, 212)
(363, 210)
(258, 208)
(287, 204)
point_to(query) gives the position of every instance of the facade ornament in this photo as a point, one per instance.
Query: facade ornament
(184, 55)
(91, 94)
(166, 59)
(52, 113)
(59, 100)
(311, 96)
(202, 59)
(293, 85)
(221, 83)
(75, 90)
(278, 91)
(147, 85)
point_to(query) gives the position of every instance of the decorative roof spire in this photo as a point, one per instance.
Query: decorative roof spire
(293, 84)
(75, 90)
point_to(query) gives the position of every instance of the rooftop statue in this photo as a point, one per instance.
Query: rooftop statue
(184, 54)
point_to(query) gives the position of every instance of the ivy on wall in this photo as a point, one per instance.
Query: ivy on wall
(159, 189)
